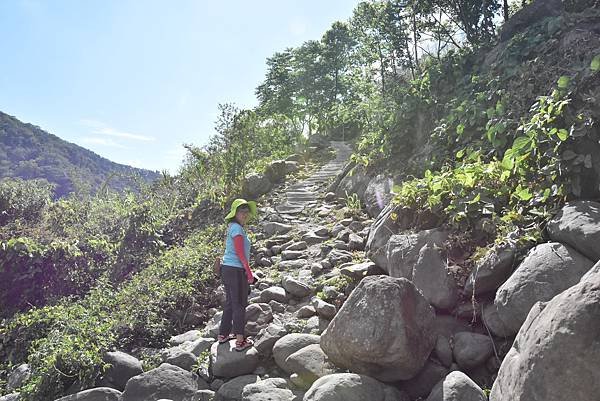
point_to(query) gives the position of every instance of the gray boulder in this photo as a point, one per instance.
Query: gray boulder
(272, 227)
(403, 250)
(18, 377)
(122, 368)
(434, 280)
(276, 170)
(166, 381)
(289, 344)
(274, 293)
(352, 387)
(382, 229)
(309, 363)
(232, 390)
(258, 316)
(355, 182)
(255, 185)
(266, 339)
(457, 387)
(188, 336)
(178, 357)
(378, 194)
(384, 330)
(271, 390)
(295, 287)
(11, 397)
(578, 225)
(472, 349)
(547, 270)
(94, 394)
(226, 362)
(421, 385)
(491, 271)
(556, 354)
(204, 395)
(324, 309)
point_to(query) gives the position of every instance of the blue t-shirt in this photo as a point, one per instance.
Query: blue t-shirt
(230, 258)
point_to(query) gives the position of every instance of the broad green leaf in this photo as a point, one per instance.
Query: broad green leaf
(563, 82)
(460, 129)
(520, 143)
(460, 154)
(562, 134)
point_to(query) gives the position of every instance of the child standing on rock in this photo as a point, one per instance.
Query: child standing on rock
(236, 275)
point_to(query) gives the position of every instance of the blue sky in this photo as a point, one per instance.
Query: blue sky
(132, 80)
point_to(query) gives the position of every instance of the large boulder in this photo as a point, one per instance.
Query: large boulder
(457, 387)
(556, 354)
(472, 349)
(378, 194)
(382, 229)
(94, 394)
(276, 170)
(19, 376)
(225, 361)
(271, 390)
(272, 227)
(266, 339)
(491, 270)
(295, 287)
(232, 390)
(547, 270)
(166, 381)
(431, 276)
(578, 225)
(420, 386)
(355, 182)
(384, 330)
(289, 344)
(402, 250)
(309, 363)
(352, 387)
(255, 185)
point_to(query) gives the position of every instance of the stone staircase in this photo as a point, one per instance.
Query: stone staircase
(305, 194)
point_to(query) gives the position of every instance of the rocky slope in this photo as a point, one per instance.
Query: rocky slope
(354, 308)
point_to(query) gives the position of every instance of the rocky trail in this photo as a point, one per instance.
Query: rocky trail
(351, 307)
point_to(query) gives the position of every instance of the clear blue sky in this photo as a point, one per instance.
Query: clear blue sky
(133, 80)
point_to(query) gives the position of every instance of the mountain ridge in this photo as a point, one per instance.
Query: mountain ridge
(29, 152)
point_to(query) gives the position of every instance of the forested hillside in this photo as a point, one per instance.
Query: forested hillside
(28, 152)
(476, 119)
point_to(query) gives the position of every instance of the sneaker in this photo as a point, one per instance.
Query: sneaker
(243, 345)
(221, 339)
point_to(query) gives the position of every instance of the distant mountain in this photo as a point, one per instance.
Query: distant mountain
(29, 152)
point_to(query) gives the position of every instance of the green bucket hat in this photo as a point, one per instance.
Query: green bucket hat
(239, 202)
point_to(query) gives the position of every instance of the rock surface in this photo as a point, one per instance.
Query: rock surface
(457, 387)
(556, 355)
(578, 225)
(352, 387)
(547, 270)
(166, 381)
(384, 329)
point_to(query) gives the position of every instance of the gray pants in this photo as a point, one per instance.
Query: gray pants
(236, 299)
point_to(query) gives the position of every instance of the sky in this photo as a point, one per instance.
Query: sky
(133, 80)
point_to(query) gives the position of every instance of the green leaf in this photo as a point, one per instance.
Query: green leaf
(520, 143)
(523, 194)
(460, 154)
(460, 129)
(562, 134)
(563, 82)
(508, 162)
(595, 66)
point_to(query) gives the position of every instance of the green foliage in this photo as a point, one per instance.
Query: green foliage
(26, 200)
(64, 343)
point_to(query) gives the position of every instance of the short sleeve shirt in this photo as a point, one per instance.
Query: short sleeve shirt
(230, 258)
